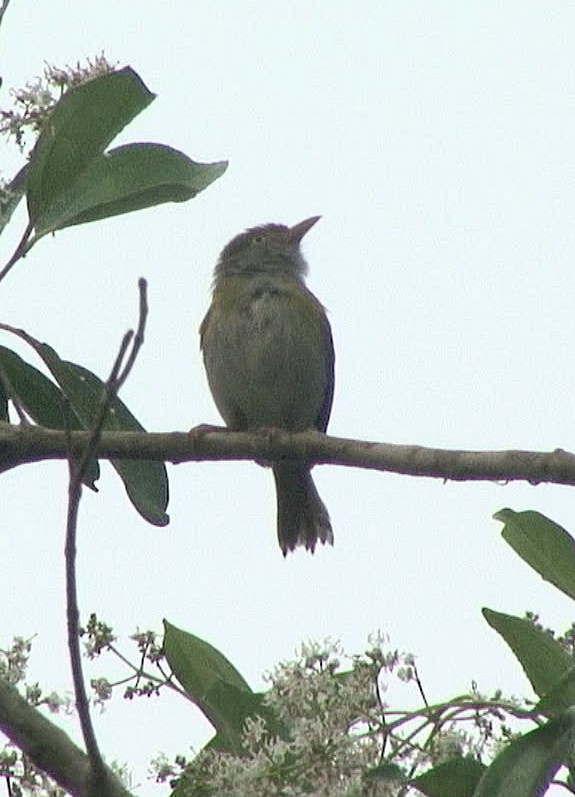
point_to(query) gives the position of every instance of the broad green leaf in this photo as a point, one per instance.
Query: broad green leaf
(212, 682)
(457, 777)
(543, 659)
(527, 765)
(561, 695)
(146, 482)
(543, 544)
(197, 665)
(82, 124)
(71, 180)
(217, 688)
(126, 179)
(42, 400)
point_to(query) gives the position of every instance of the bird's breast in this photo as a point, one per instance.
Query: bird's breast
(265, 354)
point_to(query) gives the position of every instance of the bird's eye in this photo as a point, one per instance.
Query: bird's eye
(258, 240)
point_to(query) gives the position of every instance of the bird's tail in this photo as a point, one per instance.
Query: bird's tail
(302, 516)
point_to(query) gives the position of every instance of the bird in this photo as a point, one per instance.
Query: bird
(269, 357)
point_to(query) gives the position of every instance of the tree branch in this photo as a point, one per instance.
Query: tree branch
(48, 746)
(22, 444)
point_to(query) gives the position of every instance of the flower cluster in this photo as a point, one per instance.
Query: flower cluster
(335, 719)
(34, 102)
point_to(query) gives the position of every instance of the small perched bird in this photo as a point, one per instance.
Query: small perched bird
(269, 358)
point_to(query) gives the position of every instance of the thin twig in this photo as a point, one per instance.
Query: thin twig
(73, 618)
(381, 705)
(456, 706)
(118, 376)
(139, 336)
(22, 247)
(166, 680)
(3, 9)
(77, 468)
(417, 680)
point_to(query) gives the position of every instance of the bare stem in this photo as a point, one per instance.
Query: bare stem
(417, 680)
(22, 247)
(3, 9)
(77, 468)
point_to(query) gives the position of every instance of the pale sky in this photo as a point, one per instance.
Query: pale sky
(436, 141)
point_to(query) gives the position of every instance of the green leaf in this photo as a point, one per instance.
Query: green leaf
(457, 777)
(388, 771)
(72, 181)
(231, 707)
(561, 695)
(212, 682)
(127, 179)
(80, 127)
(543, 544)
(542, 658)
(527, 765)
(42, 400)
(198, 665)
(146, 482)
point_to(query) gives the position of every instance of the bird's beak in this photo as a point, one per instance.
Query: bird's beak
(298, 231)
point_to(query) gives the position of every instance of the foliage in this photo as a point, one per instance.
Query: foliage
(70, 178)
(324, 728)
(323, 725)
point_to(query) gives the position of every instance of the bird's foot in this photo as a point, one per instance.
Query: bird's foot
(205, 428)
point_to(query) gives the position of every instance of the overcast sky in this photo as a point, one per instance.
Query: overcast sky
(436, 141)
